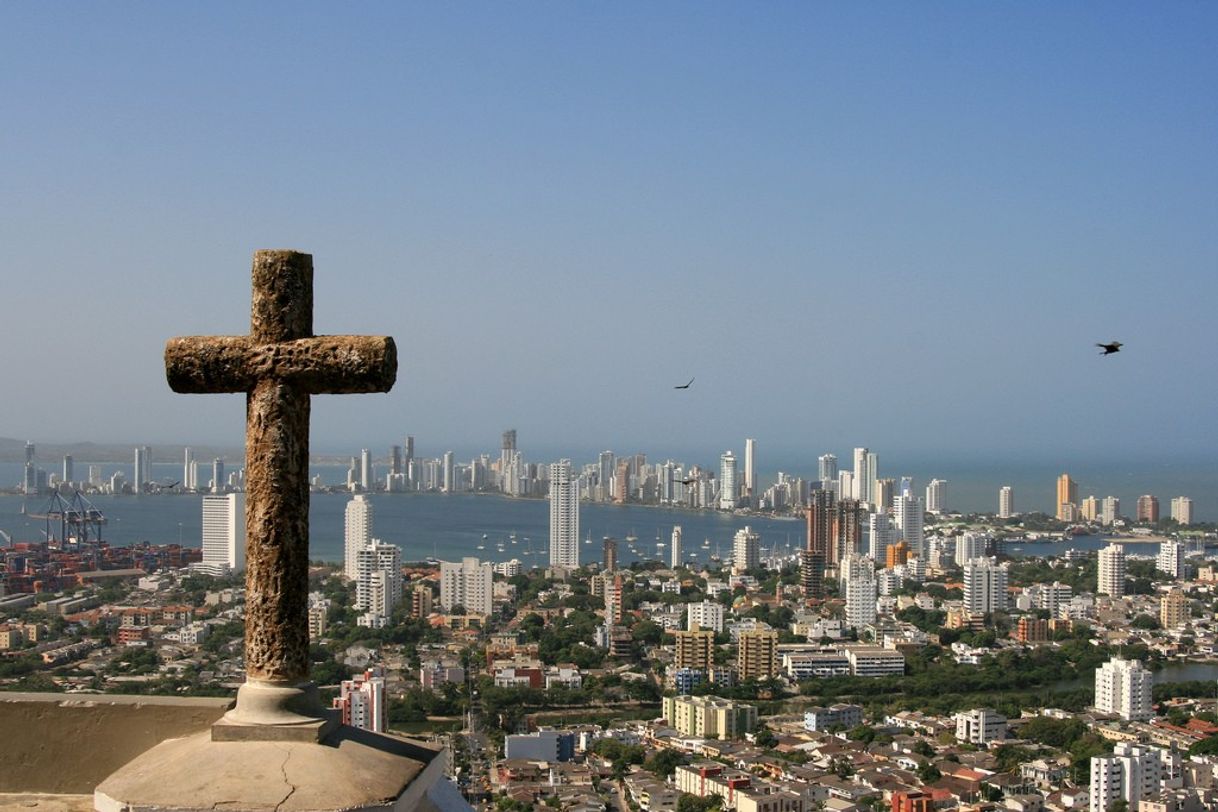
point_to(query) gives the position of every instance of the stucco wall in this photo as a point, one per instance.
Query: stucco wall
(56, 743)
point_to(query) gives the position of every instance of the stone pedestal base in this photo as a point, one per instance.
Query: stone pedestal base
(349, 770)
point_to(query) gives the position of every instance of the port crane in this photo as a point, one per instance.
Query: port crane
(79, 521)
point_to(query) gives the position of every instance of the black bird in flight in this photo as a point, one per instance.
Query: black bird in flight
(686, 386)
(1109, 349)
(687, 481)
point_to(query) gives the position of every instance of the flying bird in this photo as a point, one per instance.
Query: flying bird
(1109, 349)
(687, 481)
(686, 386)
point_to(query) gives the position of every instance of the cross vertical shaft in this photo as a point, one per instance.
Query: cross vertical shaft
(279, 365)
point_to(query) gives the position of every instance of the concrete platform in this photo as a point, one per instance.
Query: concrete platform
(36, 802)
(350, 770)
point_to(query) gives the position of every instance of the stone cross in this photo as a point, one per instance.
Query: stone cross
(279, 365)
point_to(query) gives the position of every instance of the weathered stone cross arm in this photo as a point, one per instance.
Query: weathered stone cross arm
(321, 365)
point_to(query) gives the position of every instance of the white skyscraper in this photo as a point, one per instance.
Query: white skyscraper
(860, 601)
(985, 586)
(467, 584)
(969, 546)
(1006, 502)
(704, 615)
(727, 481)
(1110, 510)
(1124, 688)
(750, 472)
(1182, 509)
(141, 476)
(1171, 559)
(936, 496)
(223, 533)
(564, 516)
(865, 465)
(189, 471)
(1132, 773)
(880, 537)
(358, 532)
(366, 477)
(907, 514)
(378, 584)
(674, 552)
(746, 550)
(450, 472)
(1112, 571)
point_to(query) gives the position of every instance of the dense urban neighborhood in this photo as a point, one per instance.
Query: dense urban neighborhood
(961, 678)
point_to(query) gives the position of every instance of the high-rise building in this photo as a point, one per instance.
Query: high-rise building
(69, 474)
(969, 546)
(860, 600)
(674, 551)
(468, 584)
(366, 477)
(421, 601)
(848, 527)
(1110, 512)
(885, 492)
(704, 615)
(189, 470)
(727, 481)
(820, 516)
(694, 649)
(907, 514)
(898, 555)
(1170, 559)
(879, 533)
(865, 465)
(1111, 579)
(1132, 773)
(357, 533)
(985, 586)
(141, 478)
(1182, 510)
(609, 553)
(395, 460)
(606, 465)
(746, 550)
(1088, 510)
(450, 473)
(1006, 502)
(564, 516)
(826, 469)
(757, 655)
(378, 581)
(750, 472)
(1173, 609)
(362, 702)
(812, 573)
(1067, 494)
(936, 496)
(613, 601)
(224, 533)
(1124, 687)
(217, 476)
(1148, 508)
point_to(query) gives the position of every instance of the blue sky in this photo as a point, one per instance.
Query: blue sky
(888, 224)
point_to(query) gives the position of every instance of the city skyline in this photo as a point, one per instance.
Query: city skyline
(742, 183)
